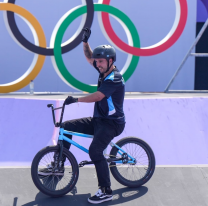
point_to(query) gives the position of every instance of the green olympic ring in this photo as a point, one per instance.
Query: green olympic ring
(60, 33)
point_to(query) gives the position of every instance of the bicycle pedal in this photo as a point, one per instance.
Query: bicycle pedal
(85, 162)
(82, 163)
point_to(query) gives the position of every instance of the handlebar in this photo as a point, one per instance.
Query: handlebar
(57, 124)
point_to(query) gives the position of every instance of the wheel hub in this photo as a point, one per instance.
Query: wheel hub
(125, 158)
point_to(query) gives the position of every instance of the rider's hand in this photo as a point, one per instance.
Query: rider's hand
(86, 34)
(70, 100)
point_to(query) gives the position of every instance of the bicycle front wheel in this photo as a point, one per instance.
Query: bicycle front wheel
(133, 174)
(50, 183)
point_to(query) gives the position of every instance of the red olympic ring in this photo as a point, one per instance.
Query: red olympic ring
(146, 51)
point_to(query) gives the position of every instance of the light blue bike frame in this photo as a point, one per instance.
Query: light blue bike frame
(62, 137)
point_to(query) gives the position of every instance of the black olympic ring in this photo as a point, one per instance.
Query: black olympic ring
(49, 51)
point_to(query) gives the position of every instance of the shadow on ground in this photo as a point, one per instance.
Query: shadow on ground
(119, 196)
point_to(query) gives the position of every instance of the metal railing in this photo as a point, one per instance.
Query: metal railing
(184, 60)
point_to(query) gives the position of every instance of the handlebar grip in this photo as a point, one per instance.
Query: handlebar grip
(49, 105)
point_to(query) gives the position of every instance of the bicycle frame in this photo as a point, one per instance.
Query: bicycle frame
(62, 137)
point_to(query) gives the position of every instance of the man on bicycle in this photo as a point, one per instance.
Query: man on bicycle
(108, 120)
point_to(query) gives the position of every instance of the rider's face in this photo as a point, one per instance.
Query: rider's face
(102, 64)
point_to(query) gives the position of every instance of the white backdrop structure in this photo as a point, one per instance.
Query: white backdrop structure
(153, 20)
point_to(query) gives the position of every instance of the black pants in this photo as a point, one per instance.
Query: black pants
(104, 131)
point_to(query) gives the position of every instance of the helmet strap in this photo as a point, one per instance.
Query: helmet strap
(109, 67)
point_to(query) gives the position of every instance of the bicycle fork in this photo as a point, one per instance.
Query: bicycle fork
(58, 157)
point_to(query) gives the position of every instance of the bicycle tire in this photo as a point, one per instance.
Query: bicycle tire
(36, 177)
(115, 167)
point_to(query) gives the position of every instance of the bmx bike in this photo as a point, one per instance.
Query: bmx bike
(131, 162)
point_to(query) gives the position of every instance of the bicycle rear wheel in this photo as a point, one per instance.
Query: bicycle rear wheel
(133, 174)
(54, 184)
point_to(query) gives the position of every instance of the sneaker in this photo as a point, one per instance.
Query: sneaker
(102, 195)
(49, 170)
(50, 166)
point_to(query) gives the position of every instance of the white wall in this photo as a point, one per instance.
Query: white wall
(153, 20)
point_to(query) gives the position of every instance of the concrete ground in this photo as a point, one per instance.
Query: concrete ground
(169, 186)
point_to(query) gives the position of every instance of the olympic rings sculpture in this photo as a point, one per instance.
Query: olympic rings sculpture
(57, 48)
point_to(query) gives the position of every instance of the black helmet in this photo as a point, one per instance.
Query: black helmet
(104, 51)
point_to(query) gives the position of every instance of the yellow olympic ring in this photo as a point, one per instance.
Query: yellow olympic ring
(38, 60)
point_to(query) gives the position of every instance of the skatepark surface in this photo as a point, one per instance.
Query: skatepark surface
(174, 124)
(169, 186)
